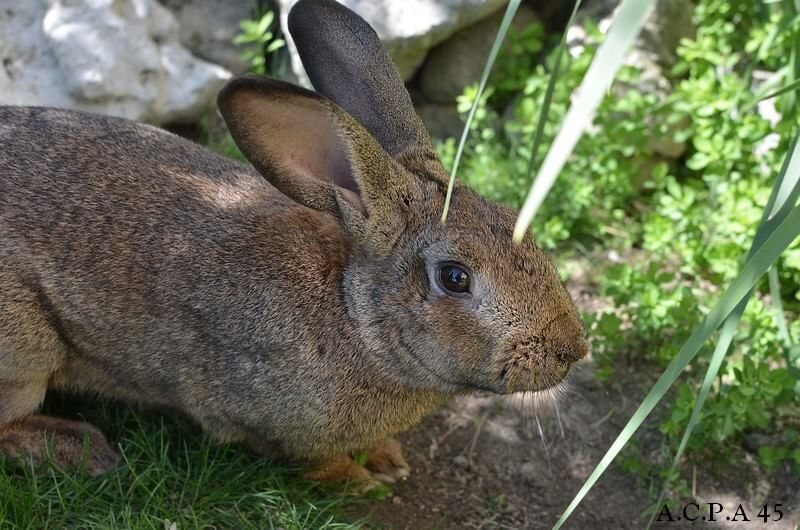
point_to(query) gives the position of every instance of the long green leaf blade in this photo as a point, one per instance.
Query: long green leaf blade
(551, 85)
(623, 31)
(794, 85)
(788, 185)
(777, 306)
(778, 207)
(487, 69)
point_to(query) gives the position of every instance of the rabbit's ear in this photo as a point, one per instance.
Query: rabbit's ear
(347, 63)
(318, 155)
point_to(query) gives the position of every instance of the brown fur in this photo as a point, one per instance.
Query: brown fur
(291, 310)
(67, 443)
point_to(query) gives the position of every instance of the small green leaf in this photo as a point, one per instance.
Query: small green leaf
(275, 45)
(747, 391)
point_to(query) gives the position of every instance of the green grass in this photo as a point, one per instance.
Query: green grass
(170, 472)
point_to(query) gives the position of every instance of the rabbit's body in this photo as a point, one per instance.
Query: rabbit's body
(175, 280)
(311, 309)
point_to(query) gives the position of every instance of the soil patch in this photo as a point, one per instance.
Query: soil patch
(488, 462)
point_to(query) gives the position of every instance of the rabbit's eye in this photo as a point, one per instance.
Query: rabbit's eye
(454, 279)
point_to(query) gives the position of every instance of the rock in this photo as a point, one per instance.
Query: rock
(755, 441)
(459, 61)
(441, 121)
(118, 57)
(408, 29)
(655, 52)
(529, 471)
(207, 29)
(554, 15)
(670, 22)
(653, 80)
(461, 461)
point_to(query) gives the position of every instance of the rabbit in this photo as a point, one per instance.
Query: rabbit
(311, 306)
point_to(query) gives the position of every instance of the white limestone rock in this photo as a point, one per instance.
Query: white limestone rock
(117, 57)
(208, 27)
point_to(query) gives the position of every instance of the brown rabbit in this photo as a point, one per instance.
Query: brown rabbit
(310, 310)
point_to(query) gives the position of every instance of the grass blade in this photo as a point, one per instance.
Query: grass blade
(498, 42)
(786, 190)
(794, 85)
(791, 7)
(777, 305)
(551, 85)
(626, 25)
(783, 236)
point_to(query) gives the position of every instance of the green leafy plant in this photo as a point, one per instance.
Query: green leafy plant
(258, 41)
(597, 189)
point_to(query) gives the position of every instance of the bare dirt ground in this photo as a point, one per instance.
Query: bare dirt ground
(481, 463)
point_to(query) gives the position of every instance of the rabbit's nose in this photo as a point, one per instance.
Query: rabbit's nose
(564, 338)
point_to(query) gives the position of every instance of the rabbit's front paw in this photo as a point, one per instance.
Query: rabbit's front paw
(386, 461)
(343, 469)
(70, 444)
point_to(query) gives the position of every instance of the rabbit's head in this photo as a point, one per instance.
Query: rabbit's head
(451, 307)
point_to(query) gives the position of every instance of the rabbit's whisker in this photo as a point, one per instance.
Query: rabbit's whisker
(558, 413)
(526, 416)
(544, 442)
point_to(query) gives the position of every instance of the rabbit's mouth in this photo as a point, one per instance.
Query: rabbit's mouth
(542, 360)
(531, 373)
